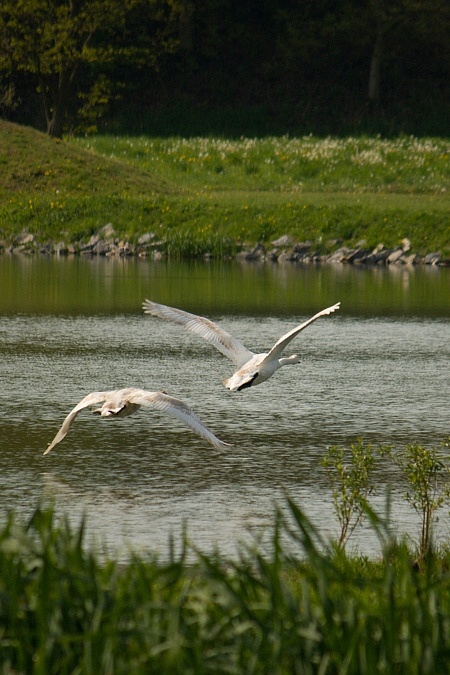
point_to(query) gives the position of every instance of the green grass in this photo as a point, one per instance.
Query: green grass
(213, 195)
(307, 164)
(302, 607)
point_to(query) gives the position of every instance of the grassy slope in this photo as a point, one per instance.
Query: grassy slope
(59, 190)
(33, 163)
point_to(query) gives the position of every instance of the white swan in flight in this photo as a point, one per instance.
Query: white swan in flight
(253, 368)
(123, 402)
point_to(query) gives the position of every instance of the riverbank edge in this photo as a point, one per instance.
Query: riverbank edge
(106, 244)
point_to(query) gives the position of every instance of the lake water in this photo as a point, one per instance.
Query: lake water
(378, 369)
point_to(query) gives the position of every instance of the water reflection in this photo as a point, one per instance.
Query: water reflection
(92, 286)
(378, 369)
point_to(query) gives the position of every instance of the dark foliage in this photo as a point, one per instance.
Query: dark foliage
(244, 67)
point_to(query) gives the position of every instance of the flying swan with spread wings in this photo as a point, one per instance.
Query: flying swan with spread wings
(123, 402)
(253, 368)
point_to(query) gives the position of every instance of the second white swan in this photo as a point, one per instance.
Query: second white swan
(123, 402)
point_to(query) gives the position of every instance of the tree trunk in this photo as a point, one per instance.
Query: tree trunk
(57, 102)
(55, 124)
(375, 68)
(53, 110)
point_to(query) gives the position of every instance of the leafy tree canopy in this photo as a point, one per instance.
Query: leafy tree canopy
(55, 42)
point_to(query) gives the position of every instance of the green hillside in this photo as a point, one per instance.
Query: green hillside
(32, 163)
(215, 196)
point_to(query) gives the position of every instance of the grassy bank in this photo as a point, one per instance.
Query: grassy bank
(310, 610)
(199, 195)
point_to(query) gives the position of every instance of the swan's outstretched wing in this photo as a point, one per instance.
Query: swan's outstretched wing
(178, 409)
(208, 330)
(278, 347)
(90, 399)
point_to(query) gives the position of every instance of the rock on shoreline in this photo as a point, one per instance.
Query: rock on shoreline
(284, 249)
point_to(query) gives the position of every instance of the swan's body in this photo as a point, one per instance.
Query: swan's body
(123, 402)
(253, 368)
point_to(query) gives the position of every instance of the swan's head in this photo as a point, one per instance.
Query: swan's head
(290, 360)
(104, 412)
(113, 409)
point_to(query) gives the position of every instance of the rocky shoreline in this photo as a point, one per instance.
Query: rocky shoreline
(284, 249)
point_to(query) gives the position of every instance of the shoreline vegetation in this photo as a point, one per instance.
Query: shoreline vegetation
(298, 605)
(354, 200)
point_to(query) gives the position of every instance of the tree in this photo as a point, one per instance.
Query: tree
(57, 41)
(427, 473)
(349, 472)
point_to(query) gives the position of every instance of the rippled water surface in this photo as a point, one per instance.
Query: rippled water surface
(378, 369)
